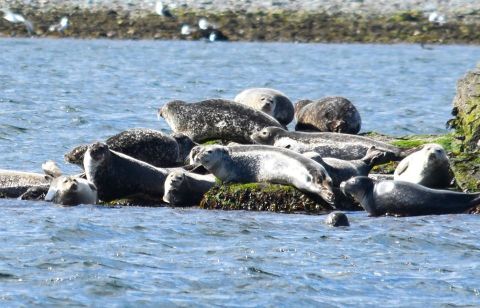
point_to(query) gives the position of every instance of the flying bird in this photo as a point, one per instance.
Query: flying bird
(61, 26)
(17, 18)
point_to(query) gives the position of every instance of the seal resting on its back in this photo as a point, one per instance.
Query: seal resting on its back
(330, 114)
(429, 167)
(117, 175)
(215, 119)
(72, 190)
(257, 163)
(270, 101)
(148, 145)
(327, 144)
(406, 199)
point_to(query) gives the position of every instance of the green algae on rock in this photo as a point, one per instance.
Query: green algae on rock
(266, 197)
(270, 25)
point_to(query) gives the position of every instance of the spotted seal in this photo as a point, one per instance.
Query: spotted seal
(337, 219)
(270, 101)
(257, 163)
(406, 199)
(72, 190)
(429, 167)
(186, 188)
(148, 145)
(330, 114)
(15, 183)
(215, 119)
(117, 175)
(341, 170)
(327, 144)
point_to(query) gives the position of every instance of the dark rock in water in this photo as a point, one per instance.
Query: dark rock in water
(337, 219)
(267, 197)
(150, 146)
(329, 114)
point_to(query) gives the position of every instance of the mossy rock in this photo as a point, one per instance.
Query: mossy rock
(270, 197)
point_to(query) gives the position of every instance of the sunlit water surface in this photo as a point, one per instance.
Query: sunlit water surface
(56, 94)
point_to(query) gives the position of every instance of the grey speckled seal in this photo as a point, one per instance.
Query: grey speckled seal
(257, 163)
(15, 183)
(215, 119)
(327, 144)
(401, 198)
(72, 190)
(186, 188)
(330, 114)
(148, 145)
(429, 167)
(270, 101)
(341, 170)
(117, 175)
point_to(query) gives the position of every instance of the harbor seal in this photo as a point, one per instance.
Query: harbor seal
(117, 175)
(186, 188)
(72, 190)
(337, 219)
(15, 183)
(330, 114)
(270, 101)
(148, 145)
(401, 198)
(429, 167)
(341, 170)
(215, 119)
(257, 163)
(327, 144)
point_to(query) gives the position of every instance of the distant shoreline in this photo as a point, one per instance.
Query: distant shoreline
(272, 25)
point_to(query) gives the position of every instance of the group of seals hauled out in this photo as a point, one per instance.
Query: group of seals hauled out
(135, 163)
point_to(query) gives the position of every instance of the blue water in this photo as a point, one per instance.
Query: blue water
(56, 94)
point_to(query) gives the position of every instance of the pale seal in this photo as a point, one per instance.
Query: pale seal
(337, 219)
(148, 145)
(329, 114)
(257, 163)
(72, 190)
(186, 188)
(341, 170)
(215, 119)
(327, 144)
(270, 101)
(15, 183)
(406, 199)
(429, 167)
(117, 175)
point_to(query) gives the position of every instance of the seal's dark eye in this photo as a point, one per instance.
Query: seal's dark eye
(288, 146)
(264, 133)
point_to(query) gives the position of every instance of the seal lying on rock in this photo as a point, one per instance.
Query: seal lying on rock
(270, 101)
(329, 114)
(117, 175)
(405, 198)
(429, 167)
(72, 190)
(342, 170)
(342, 146)
(257, 163)
(215, 119)
(148, 145)
(186, 188)
(15, 183)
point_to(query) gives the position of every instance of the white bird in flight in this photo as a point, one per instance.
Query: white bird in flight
(17, 18)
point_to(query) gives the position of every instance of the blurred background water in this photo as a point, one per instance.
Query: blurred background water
(56, 94)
